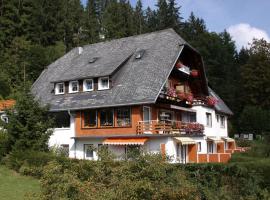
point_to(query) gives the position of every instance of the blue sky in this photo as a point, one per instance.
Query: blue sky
(243, 19)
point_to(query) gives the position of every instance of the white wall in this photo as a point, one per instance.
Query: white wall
(63, 136)
(216, 129)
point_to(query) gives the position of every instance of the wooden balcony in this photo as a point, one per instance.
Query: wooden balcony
(169, 127)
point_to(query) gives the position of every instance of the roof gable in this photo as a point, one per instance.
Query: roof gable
(137, 81)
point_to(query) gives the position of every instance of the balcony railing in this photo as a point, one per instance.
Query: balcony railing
(169, 127)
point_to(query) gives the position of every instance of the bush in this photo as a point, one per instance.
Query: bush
(29, 162)
(3, 143)
(243, 143)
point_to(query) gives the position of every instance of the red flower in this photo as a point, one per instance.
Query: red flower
(194, 73)
(211, 101)
(178, 65)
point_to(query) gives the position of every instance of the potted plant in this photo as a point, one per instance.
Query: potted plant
(178, 65)
(181, 95)
(194, 73)
(211, 101)
(190, 98)
(171, 92)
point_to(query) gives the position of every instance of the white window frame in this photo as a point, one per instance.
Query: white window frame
(222, 118)
(70, 87)
(199, 149)
(57, 88)
(100, 87)
(211, 119)
(85, 85)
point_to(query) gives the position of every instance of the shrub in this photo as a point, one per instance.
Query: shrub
(243, 143)
(3, 144)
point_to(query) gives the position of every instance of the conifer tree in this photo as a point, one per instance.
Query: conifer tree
(91, 29)
(139, 20)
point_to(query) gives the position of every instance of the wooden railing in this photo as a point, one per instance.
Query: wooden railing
(169, 127)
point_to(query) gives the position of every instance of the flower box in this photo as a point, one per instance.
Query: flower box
(194, 73)
(211, 101)
(178, 65)
(190, 98)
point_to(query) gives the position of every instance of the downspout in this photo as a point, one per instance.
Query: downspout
(75, 145)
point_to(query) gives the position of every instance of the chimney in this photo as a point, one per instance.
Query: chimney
(80, 50)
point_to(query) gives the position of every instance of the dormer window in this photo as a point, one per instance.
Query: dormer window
(73, 86)
(103, 83)
(88, 85)
(59, 88)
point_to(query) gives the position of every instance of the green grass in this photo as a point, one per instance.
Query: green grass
(16, 187)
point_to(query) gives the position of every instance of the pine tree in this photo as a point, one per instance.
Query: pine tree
(256, 75)
(29, 124)
(174, 19)
(91, 29)
(118, 20)
(162, 14)
(151, 20)
(139, 20)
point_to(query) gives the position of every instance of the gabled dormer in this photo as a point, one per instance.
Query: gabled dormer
(186, 82)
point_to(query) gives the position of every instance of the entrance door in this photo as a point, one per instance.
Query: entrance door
(183, 155)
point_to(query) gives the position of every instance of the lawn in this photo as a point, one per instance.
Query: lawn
(14, 186)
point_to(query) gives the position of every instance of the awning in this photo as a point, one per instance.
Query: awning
(125, 141)
(215, 139)
(228, 139)
(185, 140)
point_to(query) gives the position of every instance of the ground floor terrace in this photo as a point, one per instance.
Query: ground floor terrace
(177, 149)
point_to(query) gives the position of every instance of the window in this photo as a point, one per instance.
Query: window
(73, 86)
(222, 121)
(59, 88)
(88, 151)
(189, 117)
(199, 146)
(217, 116)
(61, 119)
(103, 83)
(210, 147)
(209, 119)
(106, 117)
(123, 117)
(90, 118)
(88, 85)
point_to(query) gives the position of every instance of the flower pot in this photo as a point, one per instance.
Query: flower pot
(211, 101)
(178, 65)
(181, 95)
(194, 73)
(190, 98)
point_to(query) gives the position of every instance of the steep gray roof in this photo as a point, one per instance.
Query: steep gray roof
(135, 81)
(220, 106)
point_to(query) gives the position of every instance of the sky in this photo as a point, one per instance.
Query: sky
(243, 19)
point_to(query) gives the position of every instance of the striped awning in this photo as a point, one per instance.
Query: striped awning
(215, 139)
(125, 141)
(228, 139)
(185, 140)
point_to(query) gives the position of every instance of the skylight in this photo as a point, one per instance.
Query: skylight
(92, 60)
(139, 54)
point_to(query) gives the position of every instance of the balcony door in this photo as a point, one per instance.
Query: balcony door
(147, 118)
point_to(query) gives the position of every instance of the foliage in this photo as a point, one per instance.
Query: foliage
(3, 143)
(29, 124)
(255, 120)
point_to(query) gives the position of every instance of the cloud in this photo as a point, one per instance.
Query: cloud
(243, 34)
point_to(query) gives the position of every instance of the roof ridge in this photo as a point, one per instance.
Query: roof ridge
(133, 36)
